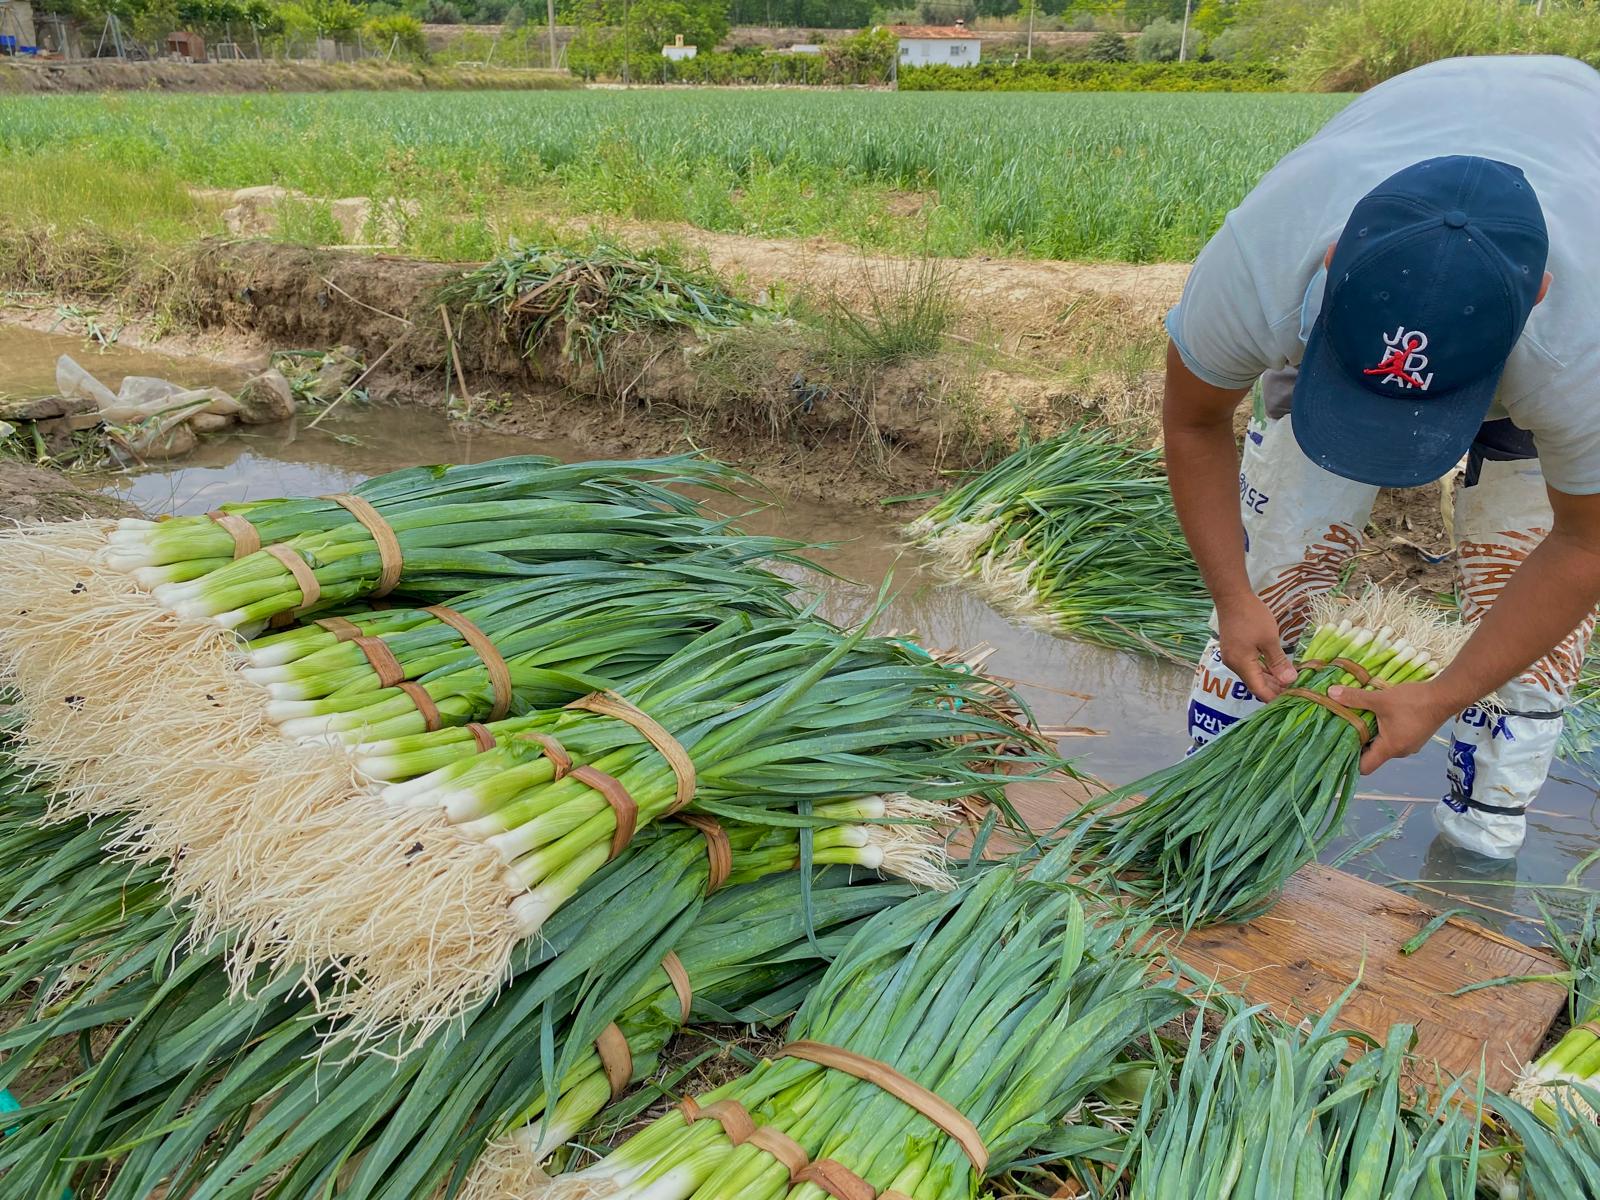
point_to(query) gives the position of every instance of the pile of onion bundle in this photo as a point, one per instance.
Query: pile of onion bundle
(1215, 836)
(951, 1036)
(1261, 1109)
(1077, 532)
(421, 895)
(239, 1097)
(1574, 1060)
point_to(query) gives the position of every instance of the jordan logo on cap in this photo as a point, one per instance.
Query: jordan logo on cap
(1404, 361)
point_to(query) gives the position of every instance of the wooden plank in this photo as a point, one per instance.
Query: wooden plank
(1331, 929)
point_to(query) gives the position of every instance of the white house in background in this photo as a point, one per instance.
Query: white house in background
(677, 52)
(930, 45)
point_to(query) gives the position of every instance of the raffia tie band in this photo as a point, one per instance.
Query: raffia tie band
(493, 663)
(480, 734)
(1349, 666)
(616, 1060)
(719, 851)
(1591, 1027)
(552, 749)
(304, 578)
(609, 704)
(425, 705)
(673, 966)
(909, 1092)
(1357, 721)
(390, 561)
(382, 660)
(245, 538)
(342, 630)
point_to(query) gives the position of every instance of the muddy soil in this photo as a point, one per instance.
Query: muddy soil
(38, 494)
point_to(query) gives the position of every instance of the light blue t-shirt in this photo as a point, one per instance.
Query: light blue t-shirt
(1256, 286)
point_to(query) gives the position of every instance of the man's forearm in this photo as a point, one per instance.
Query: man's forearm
(1547, 597)
(1203, 472)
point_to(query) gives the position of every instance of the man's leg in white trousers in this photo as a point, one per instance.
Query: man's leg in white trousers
(1499, 760)
(1302, 525)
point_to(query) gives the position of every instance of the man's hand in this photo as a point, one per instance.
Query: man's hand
(1407, 715)
(1252, 645)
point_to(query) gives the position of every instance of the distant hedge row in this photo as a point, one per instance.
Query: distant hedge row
(1095, 77)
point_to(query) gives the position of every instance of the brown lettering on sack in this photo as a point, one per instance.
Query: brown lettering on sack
(1290, 595)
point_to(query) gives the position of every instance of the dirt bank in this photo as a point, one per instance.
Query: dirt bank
(36, 494)
(104, 75)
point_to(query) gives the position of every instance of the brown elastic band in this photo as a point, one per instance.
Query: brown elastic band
(304, 577)
(342, 630)
(609, 704)
(622, 804)
(382, 660)
(481, 735)
(718, 849)
(893, 1196)
(673, 966)
(245, 538)
(553, 750)
(786, 1150)
(499, 673)
(736, 1122)
(389, 558)
(425, 705)
(837, 1180)
(1591, 1027)
(616, 1060)
(1357, 721)
(1349, 666)
(884, 1077)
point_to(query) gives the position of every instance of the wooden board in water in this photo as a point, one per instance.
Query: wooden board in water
(1332, 928)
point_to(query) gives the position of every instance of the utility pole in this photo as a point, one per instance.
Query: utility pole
(1032, 4)
(1183, 40)
(550, 11)
(626, 43)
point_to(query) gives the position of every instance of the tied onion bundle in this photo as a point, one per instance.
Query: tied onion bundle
(1077, 532)
(1215, 836)
(984, 1018)
(755, 714)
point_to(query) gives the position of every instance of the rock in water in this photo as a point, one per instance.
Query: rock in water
(266, 398)
(341, 367)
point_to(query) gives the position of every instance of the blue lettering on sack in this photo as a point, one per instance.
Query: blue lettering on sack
(1206, 722)
(1462, 771)
(1257, 436)
(1253, 499)
(1496, 723)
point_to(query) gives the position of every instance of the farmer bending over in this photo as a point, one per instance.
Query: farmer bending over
(1418, 283)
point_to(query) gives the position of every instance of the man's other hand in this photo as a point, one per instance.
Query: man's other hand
(1252, 646)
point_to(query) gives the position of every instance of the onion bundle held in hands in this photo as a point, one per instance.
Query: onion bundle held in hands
(1079, 532)
(1215, 836)
(979, 1020)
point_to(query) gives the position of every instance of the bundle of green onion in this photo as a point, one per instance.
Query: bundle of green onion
(423, 894)
(1079, 532)
(1260, 1109)
(1001, 1005)
(1215, 836)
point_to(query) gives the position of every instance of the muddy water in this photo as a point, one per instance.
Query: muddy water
(1127, 711)
(28, 363)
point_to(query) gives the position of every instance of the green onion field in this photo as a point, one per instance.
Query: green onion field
(1128, 177)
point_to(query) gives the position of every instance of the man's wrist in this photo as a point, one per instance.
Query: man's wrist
(1448, 694)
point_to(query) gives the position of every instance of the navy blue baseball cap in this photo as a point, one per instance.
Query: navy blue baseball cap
(1430, 285)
